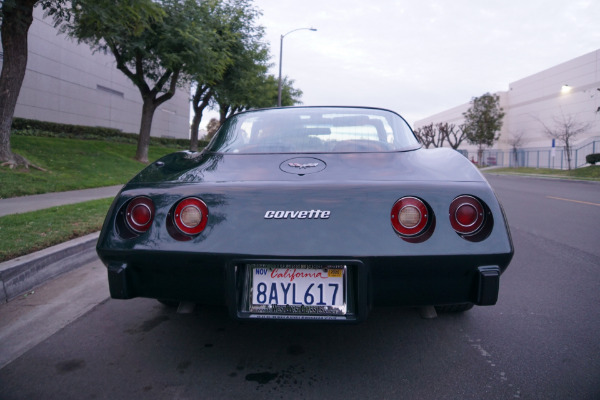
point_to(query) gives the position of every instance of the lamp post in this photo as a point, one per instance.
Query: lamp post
(281, 58)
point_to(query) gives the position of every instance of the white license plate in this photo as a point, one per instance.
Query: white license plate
(298, 289)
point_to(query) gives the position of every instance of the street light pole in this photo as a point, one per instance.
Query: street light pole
(281, 60)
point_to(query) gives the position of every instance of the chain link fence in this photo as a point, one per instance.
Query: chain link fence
(540, 157)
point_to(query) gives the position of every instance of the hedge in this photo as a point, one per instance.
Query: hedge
(31, 127)
(592, 158)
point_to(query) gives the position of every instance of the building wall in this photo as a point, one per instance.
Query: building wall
(66, 83)
(540, 99)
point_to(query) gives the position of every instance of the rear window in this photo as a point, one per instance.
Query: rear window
(314, 130)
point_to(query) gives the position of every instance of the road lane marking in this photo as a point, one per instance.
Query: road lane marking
(574, 201)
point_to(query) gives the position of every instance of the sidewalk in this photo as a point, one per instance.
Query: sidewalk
(22, 274)
(35, 316)
(17, 205)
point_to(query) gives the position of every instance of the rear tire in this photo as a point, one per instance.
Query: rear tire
(454, 308)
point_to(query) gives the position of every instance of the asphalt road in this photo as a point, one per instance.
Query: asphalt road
(539, 342)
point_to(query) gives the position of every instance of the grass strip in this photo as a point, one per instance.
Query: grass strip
(71, 164)
(25, 233)
(591, 172)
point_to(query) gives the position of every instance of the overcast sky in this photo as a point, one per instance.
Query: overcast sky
(421, 57)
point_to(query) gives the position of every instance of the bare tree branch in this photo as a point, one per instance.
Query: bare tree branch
(516, 140)
(425, 134)
(565, 129)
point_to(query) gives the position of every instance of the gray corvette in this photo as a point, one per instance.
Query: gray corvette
(309, 213)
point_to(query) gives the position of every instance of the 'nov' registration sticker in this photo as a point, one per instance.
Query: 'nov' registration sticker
(298, 289)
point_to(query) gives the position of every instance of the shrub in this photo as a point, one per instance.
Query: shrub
(21, 124)
(31, 127)
(592, 158)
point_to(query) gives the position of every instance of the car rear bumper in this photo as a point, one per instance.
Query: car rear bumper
(394, 281)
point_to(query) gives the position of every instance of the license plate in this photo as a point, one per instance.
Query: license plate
(298, 289)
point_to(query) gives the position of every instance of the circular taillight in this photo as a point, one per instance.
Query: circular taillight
(139, 214)
(409, 216)
(466, 215)
(191, 216)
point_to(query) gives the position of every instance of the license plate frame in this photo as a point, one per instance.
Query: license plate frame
(301, 299)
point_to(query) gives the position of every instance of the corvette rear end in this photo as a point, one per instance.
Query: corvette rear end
(346, 217)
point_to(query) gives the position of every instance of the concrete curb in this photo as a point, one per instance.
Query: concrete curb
(24, 273)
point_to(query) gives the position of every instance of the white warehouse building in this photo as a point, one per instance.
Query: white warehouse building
(66, 83)
(568, 91)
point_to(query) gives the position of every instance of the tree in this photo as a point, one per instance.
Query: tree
(212, 127)
(432, 134)
(483, 122)
(152, 42)
(290, 96)
(16, 17)
(241, 40)
(425, 134)
(516, 140)
(440, 134)
(454, 134)
(565, 130)
(202, 98)
(262, 94)
(244, 84)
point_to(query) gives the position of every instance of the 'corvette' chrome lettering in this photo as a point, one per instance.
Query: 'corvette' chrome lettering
(312, 214)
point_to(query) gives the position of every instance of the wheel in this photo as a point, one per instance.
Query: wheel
(454, 308)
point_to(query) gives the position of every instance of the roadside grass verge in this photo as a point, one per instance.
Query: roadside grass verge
(71, 164)
(591, 172)
(25, 233)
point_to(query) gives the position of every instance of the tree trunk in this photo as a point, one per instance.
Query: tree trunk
(480, 156)
(194, 131)
(223, 110)
(568, 151)
(148, 108)
(15, 25)
(200, 101)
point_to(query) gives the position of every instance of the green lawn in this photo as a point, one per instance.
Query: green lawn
(25, 233)
(71, 164)
(591, 172)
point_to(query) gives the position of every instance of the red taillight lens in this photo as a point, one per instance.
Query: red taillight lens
(139, 214)
(191, 216)
(466, 215)
(409, 216)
